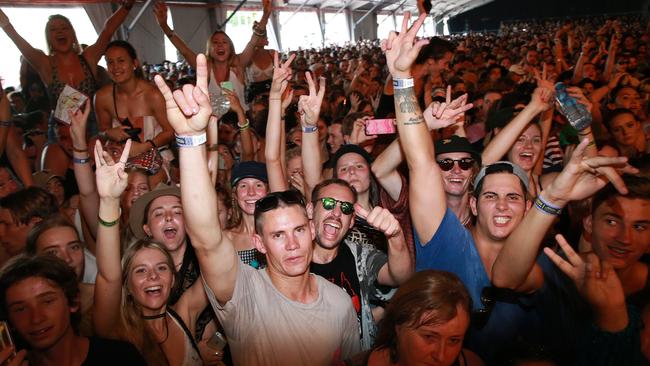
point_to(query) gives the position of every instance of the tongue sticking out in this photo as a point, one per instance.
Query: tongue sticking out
(330, 230)
(170, 233)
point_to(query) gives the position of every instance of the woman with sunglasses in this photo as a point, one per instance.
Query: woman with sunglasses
(522, 141)
(131, 298)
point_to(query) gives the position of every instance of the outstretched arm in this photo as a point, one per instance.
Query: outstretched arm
(111, 183)
(259, 31)
(274, 126)
(83, 171)
(160, 10)
(427, 203)
(515, 267)
(309, 107)
(541, 101)
(95, 51)
(188, 111)
(35, 57)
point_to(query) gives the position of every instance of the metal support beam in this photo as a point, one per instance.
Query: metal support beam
(295, 11)
(241, 3)
(137, 17)
(366, 14)
(321, 25)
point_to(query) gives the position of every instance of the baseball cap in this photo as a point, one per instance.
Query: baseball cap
(456, 144)
(517, 69)
(501, 167)
(351, 148)
(248, 169)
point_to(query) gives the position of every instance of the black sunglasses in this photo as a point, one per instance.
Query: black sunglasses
(272, 200)
(329, 204)
(448, 164)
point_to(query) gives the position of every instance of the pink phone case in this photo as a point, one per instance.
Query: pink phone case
(380, 126)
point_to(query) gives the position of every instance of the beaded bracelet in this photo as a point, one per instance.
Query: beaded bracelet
(107, 223)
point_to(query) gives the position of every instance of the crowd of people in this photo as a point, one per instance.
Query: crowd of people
(398, 202)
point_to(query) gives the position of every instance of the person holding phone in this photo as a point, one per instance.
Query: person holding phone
(131, 107)
(66, 63)
(224, 64)
(39, 297)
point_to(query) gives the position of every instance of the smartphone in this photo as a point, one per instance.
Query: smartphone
(380, 126)
(217, 341)
(226, 85)
(5, 337)
(133, 132)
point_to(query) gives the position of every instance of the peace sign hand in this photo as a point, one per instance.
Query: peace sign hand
(309, 105)
(111, 177)
(281, 75)
(189, 110)
(401, 49)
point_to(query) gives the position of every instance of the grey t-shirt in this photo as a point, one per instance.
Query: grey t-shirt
(264, 327)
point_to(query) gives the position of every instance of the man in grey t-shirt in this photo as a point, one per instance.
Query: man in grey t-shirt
(282, 315)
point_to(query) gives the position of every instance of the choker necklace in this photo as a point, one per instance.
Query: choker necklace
(152, 317)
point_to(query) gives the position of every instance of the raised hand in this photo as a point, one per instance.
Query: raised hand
(281, 75)
(111, 177)
(4, 20)
(583, 176)
(160, 10)
(189, 110)
(358, 135)
(78, 121)
(579, 96)
(442, 115)
(9, 357)
(594, 278)
(380, 219)
(235, 104)
(309, 105)
(402, 49)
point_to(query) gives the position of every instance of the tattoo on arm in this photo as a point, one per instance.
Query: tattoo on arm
(408, 103)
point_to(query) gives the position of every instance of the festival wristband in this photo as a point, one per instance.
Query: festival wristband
(546, 207)
(107, 223)
(403, 83)
(191, 141)
(80, 160)
(309, 129)
(5, 123)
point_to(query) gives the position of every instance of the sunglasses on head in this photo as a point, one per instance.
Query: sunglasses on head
(448, 164)
(329, 204)
(272, 200)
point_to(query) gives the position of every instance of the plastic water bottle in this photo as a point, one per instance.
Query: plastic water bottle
(576, 113)
(220, 104)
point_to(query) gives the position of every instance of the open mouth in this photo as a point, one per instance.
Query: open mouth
(40, 333)
(331, 228)
(617, 252)
(501, 220)
(153, 290)
(170, 232)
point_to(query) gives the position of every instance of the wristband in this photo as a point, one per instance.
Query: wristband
(107, 223)
(403, 83)
(75, 149)
(309, 129)
(80, 160)
(5, 124)
(191, 141)
(546, 207)
(244, 126)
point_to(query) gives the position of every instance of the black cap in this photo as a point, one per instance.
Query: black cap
(248, 169)
(350, 148)
(500, 118)
(457, 144)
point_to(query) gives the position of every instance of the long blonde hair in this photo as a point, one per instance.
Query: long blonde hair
(75, 46)
(233, 61)
(133, 326)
